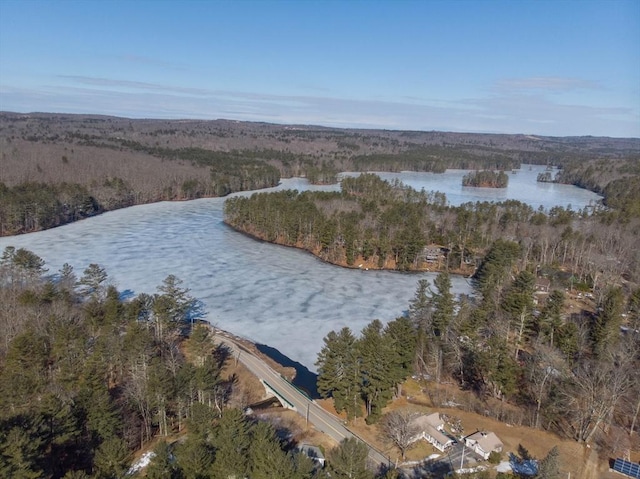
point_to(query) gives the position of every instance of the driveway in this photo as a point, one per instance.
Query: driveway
(456, 456)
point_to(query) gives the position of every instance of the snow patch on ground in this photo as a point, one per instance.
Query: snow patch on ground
(141, 463)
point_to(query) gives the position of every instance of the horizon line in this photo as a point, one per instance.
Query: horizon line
(311, 125)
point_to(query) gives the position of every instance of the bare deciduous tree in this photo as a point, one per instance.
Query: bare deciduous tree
(597, 387)
(545, 367)
(398, 428)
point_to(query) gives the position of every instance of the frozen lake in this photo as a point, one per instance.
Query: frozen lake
(274, 295)
(522, 186)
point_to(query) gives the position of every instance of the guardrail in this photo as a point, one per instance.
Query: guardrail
(287, 404)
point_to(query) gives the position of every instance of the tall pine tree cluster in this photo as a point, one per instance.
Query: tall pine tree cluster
(362, 374)
(87, 377)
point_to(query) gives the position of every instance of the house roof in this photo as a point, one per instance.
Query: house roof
(425, 420)
(488, 441)
(438, 436)
(429, 424)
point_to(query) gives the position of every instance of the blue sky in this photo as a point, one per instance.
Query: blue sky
(558, 67)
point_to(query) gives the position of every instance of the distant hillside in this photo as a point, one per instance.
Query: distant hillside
(56, 168)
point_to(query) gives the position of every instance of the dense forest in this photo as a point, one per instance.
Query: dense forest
(60, 168)
(617, 181)
(32, 206)
(486, 179)
(363, 374)
(87, 378)
(528, 358)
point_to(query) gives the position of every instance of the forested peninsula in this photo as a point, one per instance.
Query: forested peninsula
(375, 224)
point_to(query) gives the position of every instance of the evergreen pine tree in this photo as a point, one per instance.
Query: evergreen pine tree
(102, 417)
(266, 457)
(499, 367)
(421, 315)
(420, 307)
(339, 372)
(21, 447)
(304, 466)
(401, 336)
(194, 458)
(443, 309)
(518, 303)
(549, 467)
(23, 376)
(550, 319)
(495, 267)
(377, 362)
(231, 441)
(92, 281)
(111, 459)
(443, 303)
(349, 460)
(606, 329)
(161, 465)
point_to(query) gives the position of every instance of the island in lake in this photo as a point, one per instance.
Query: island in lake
(486, 179)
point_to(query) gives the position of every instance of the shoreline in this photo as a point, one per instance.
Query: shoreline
(363, 265)
(3, 235)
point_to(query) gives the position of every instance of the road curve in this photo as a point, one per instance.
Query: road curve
(320, 418)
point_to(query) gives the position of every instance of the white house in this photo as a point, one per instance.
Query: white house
(483, 443)
(431, 428)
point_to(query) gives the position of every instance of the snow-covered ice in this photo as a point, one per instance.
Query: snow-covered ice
(271, 294)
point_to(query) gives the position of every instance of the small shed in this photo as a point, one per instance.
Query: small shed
(543, 285)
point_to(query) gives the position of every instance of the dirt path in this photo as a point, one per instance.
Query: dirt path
(590, 469)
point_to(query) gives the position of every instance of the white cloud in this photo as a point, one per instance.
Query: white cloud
(549, 84)
(537, 113)
(503, 111)
(135, 85)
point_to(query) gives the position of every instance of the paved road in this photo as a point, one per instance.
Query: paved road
(320, 418)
